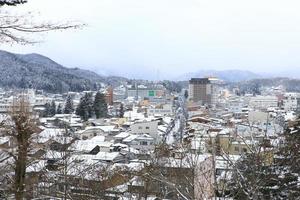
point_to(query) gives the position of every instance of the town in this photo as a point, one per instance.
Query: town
(142, 141)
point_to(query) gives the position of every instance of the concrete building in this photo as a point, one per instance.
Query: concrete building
(290, 101)
(142, 92)
(263, 102)
(203, 90)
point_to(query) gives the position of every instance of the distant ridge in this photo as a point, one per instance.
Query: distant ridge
(226, 75)
(40, 72)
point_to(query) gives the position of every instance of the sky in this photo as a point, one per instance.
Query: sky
(163, 39)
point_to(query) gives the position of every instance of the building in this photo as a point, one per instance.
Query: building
(109, 96)
(142, 92)
(263, 102)
(203, 90)
(290, 101)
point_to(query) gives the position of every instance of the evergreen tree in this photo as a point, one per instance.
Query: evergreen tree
(69, 108)
(121, 111)
(186, 94)
(100, 106)
(85, 107)
(59, 109)
(52, 108)
(47, 110)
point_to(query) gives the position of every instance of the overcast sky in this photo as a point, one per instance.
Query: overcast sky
(165, 38)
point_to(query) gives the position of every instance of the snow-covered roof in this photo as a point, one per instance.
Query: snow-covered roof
(88, 145)
(106, 156)
(122, 135)
(130, 138)
(3, 140)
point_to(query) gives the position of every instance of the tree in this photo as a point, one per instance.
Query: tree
(12, 2)
(20, 125)
(85, 107)
(47, 110)
(100, 106)
(121, 111)
(16, 28)
(270, 174)
(59, 109)
(69, 108)
(52, 108)
(186, 94)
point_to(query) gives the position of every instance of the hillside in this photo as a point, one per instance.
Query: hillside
(39, 72)
(291, 85)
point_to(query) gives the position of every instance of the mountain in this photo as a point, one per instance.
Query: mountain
(226, 75)
(40, 72)
(248, 86)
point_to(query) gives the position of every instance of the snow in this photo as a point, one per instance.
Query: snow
(4, 140)
(130, 138)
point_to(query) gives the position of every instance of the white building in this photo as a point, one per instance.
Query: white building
(263, 102)
(290, 101)
(145, 127)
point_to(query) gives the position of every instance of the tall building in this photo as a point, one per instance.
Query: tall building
(203, 90)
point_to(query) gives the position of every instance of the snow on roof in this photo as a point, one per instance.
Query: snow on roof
(122, 135)
(134, 115)
(130, 138)
(162, 128)
(3, 140)
(144, 137)
(36, 166)
(53, 155)
(106, 156)
(88, 145)
(49, 133)
(120, 145)
(108, 128)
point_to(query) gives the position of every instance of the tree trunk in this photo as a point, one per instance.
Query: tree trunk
(20, 171)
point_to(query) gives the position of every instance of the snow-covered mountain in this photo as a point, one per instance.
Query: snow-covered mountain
(226, 75)
(39, 72)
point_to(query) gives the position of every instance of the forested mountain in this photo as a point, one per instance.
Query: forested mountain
(39, 72)
(291, 85)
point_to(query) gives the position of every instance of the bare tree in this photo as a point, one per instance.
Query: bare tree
(20, 125)
(19, 28)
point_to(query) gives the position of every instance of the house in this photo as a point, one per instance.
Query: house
(146, 127)
(144, 142)
(92, 146)
(93, 131)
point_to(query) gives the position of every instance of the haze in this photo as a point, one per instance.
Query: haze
(155, 39)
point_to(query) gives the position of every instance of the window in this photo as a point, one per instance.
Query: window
(147, 127)
(236, 148)
(140, 127)
(144, 143)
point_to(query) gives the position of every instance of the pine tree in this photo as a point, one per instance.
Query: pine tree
(52, 108)
(186, 94)
(47, 110)
(85, 107)
(121, 111)
(59, 109)
(69, 108)
(100, 106)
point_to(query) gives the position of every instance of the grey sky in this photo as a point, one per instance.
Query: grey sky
(143, 38)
